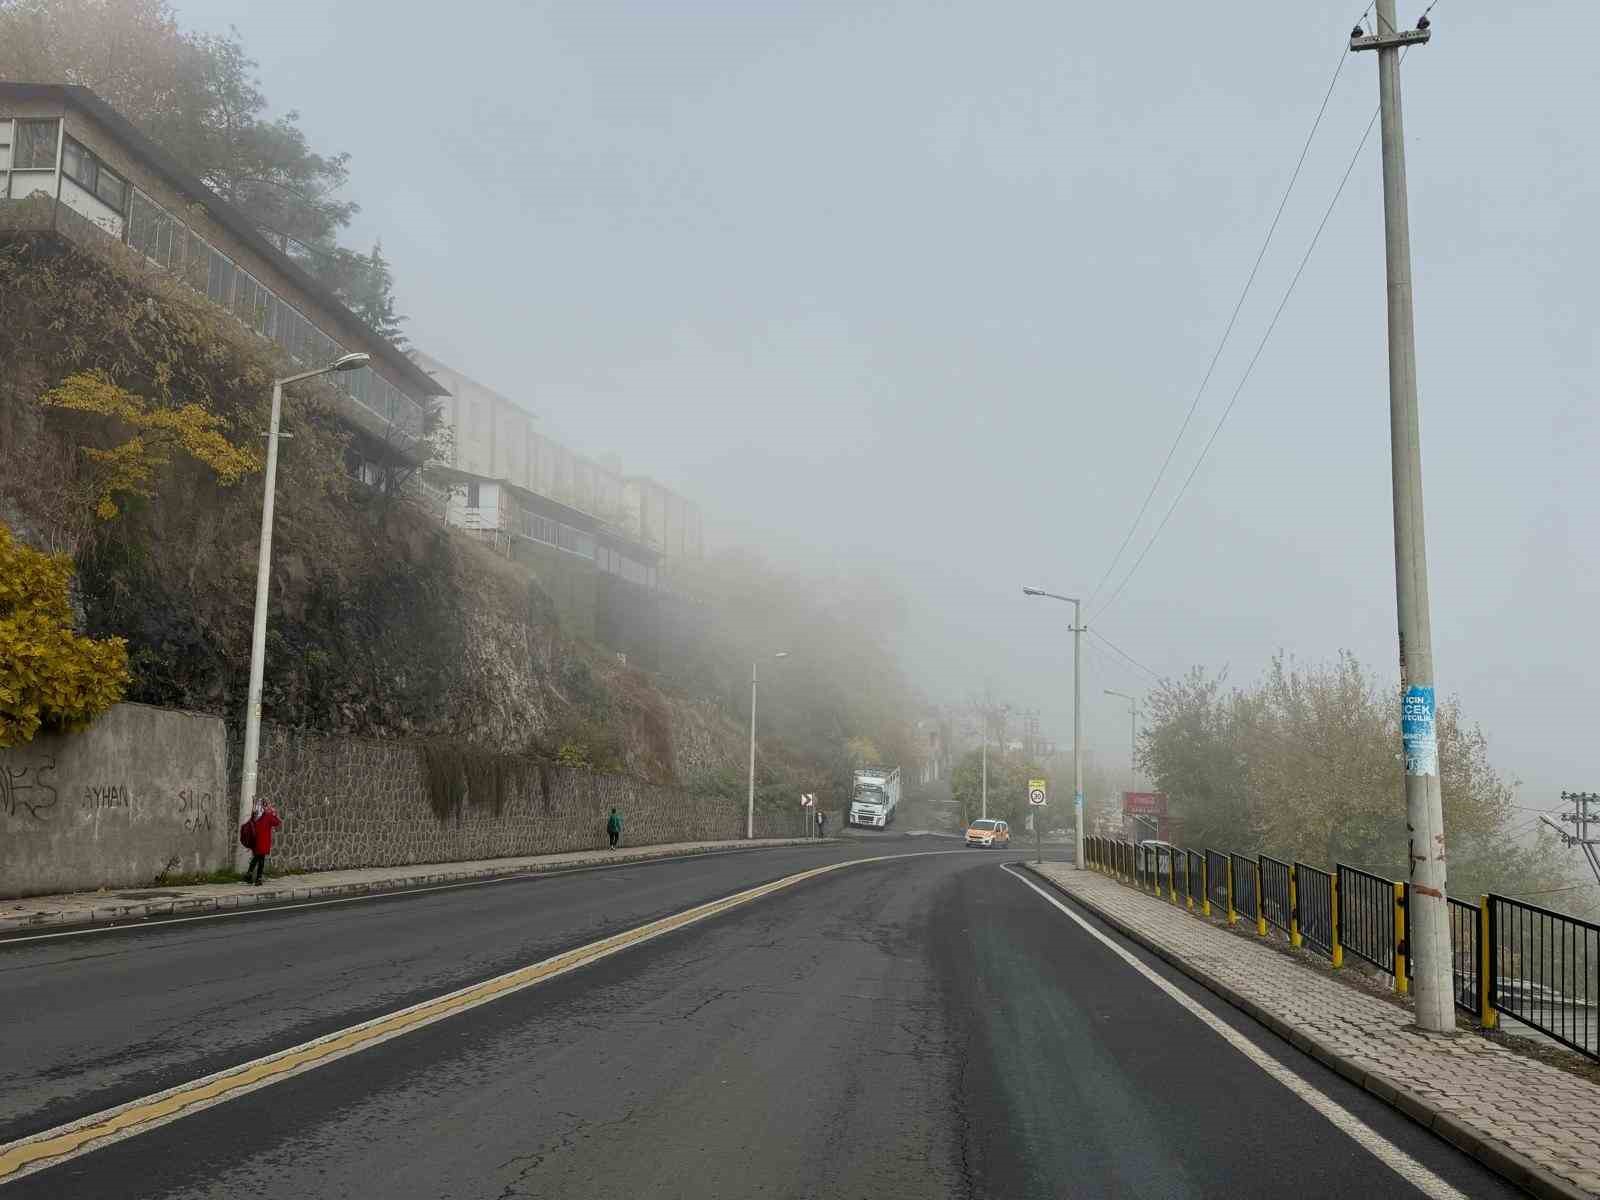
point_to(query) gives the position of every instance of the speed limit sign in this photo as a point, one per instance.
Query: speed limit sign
(1036, 792)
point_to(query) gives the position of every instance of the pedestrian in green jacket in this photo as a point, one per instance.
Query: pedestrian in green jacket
(614, 827)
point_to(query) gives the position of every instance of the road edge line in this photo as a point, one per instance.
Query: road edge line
(1514, 1168)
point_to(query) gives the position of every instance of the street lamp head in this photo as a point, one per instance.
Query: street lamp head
(781, 654)
(1031, 591)
(350, 362)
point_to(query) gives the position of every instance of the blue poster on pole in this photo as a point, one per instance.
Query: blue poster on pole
(1417, 732)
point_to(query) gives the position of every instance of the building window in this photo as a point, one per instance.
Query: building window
(77, 164)
(111, 188)
(472, 495)
(35, 147)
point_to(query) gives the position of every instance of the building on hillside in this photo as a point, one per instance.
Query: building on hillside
(495, 439)
(72, 167)
(664, 519)
(935, 740)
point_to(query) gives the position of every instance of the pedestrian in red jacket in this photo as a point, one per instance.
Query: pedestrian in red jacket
(263, 823)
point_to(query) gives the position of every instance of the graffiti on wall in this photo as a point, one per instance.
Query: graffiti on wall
(24, 791)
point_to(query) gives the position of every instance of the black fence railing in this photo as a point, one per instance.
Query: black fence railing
(1217, 880)
(1366, 916)
(1277, 902)
(1545, 966)
(1314, 898)
(1464, 967)
(1508, 957)
(1244, 886)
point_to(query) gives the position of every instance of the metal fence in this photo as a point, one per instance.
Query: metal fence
(1366, 916)
(1508, 957)
(1314, 899)
(1464, 967)
(1217, 879)
(1277, 893)
(1244, 886)
(1544, 968)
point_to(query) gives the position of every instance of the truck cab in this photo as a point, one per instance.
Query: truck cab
(876, 796)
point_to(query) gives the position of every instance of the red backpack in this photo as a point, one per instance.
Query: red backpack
(247, 834)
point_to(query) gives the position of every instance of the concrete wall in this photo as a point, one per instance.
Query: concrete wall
(142, 791)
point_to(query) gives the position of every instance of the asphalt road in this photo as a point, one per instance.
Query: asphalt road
(920, 1027)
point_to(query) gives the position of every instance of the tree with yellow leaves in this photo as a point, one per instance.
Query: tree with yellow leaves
(50, 676)
(129, 469)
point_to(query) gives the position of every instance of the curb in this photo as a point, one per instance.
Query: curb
(112, 914)
(1511, 1166)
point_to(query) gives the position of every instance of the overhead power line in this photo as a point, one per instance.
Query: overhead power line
(1227, 332)
(1249, 368)
(1120, 653)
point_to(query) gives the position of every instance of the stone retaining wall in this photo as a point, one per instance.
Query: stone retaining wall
(353, 802)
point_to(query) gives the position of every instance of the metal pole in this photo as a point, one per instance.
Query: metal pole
(1429, 932)
(1077, 734)
(750, 816)
(258, 636)
(984, 811)
(1133, 747)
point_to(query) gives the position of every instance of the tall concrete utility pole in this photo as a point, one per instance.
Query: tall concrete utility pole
(1077, 713)
(1077, 733)
(1428, 931)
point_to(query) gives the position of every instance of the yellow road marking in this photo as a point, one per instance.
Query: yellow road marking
(55, 1146)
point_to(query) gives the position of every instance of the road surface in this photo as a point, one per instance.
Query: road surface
(926, 1026)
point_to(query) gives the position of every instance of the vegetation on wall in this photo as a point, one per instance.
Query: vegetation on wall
(128, 468)
(51, 678)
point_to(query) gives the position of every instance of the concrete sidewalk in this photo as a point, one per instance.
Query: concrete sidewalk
(108, 906)
(1534, 1124)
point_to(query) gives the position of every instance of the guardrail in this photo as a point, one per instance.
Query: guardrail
(1277, 895)
(1318, 911)
(1245, 883)
(1542, 966)
(1508, 957)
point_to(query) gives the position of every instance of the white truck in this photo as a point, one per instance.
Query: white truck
(877, 795)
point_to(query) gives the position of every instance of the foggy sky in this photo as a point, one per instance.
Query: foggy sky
(933, 285)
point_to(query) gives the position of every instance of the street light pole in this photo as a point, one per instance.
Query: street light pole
(1077, 715)
(1428, 931)
(258, 635)
(750, 811)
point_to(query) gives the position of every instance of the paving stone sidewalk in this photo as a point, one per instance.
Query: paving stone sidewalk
(110, 906)
(1535, 1124)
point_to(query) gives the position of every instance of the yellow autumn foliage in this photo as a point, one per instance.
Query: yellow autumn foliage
(50, 676)
(129, 469)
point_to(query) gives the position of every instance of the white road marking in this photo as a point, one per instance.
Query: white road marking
(1385, 1151)
(261, 909)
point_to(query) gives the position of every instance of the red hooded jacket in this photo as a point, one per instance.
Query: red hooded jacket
(265, 823)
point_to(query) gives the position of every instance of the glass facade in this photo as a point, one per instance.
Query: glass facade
(171, 244)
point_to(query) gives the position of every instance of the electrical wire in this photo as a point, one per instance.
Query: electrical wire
(1124, 655)
(1227, 331)
(1249, 369)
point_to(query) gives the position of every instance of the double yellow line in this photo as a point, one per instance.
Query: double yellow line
(83, 1136)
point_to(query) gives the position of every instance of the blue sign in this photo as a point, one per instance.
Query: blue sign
(1417, 731)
